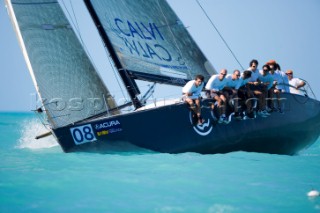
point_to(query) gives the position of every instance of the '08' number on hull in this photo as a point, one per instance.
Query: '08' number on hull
(82, 134)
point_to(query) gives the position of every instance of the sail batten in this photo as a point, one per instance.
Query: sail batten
(66, 81)
(147, 37)
(34, 3)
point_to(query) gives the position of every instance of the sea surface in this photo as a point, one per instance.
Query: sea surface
(37, 176)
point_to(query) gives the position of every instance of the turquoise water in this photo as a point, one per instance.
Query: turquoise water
(36, 176)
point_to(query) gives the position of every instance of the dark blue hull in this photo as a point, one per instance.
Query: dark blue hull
(169, 129)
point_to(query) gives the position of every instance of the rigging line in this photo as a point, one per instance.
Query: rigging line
(116, 74)
(70, 17)
(74, 22)
(77, 29)
(309, 88)
(76, 25)
(219, 34)
(174, 38)
(117, 77)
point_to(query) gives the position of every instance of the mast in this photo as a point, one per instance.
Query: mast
(129, 82)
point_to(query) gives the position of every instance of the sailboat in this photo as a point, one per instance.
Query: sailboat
(147, 42)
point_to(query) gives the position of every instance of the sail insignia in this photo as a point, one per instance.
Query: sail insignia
(149, 38)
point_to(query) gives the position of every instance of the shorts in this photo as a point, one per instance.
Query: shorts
(228, 91)
(193, 97)
(216, 93)
(256, 87)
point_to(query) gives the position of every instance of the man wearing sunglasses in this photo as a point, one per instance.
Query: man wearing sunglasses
(215, 86)
(295, 83)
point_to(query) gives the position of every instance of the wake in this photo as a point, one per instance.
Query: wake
(30, 129)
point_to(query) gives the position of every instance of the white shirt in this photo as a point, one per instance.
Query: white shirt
(214, 83)
(295, 82)
(190, 87)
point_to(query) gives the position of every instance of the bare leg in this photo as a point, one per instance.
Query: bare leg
(223, 105)
(198, 111)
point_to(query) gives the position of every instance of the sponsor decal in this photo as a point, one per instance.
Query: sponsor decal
(107, 124)
(142, 39)
(104, 132)
(203, 129)
(110, 131)
(107, 127)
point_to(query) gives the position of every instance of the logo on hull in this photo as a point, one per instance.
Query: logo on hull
(203, 129)
(107, 127)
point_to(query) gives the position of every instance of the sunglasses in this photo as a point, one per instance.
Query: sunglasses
(288, 73)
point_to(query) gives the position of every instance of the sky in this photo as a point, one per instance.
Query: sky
(287, 31)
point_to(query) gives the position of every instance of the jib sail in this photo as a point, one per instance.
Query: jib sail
(67, 82)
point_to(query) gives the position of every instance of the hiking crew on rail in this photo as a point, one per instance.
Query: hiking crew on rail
(244, 93)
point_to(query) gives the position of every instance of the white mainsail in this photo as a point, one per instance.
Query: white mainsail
(150, 41)
(65, 79)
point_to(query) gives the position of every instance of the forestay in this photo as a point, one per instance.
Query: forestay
(68, 84)
(150, 41)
